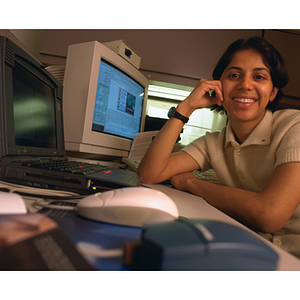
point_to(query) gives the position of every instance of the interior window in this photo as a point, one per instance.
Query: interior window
(162, 96)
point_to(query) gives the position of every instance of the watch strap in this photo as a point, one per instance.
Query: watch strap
(174, 113)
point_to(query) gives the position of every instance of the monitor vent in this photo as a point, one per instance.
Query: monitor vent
(9, 54)
(60, 92)
(58, 71)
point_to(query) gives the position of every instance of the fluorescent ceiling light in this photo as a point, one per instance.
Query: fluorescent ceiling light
(165, 92)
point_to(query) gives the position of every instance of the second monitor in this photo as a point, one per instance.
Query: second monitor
(103, 102)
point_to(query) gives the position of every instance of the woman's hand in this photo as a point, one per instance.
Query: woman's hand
(180, 181)
(200, 98)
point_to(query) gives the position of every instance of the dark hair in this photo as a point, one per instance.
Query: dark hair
(271, 58)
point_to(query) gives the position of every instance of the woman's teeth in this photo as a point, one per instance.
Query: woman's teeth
(243, 100)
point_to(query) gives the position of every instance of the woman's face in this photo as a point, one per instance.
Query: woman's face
(247, 87)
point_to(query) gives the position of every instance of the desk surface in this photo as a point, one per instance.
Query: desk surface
(190, 206)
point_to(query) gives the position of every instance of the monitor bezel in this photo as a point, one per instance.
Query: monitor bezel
(11, 54)
(79, 100)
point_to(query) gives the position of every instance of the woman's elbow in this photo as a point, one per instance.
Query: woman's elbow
(269, 223)
(147, 180)
(269, 227)
(146, 177)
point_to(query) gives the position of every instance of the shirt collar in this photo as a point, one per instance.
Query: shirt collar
(261, 135)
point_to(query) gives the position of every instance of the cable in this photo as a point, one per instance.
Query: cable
(12, 188)
(53, 206)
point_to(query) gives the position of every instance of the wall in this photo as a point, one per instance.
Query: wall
(30, 38)
(27, 39)
(187, 55)
(288, 44)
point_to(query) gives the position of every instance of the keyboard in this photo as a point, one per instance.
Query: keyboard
(73, 167)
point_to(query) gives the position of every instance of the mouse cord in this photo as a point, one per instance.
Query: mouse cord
(42, 203)
(16, 188)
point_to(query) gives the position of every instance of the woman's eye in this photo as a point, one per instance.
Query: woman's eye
(259, 77)
(234, 75)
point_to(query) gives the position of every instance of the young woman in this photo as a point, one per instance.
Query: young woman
(256, 156)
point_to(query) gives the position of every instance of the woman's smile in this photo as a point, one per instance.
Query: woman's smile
(244, 100)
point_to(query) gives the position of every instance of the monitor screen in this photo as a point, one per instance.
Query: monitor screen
(30, 105)
(34, 110)
(104, 100)
(118, 103)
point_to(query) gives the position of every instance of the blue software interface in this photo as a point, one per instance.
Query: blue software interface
(118, 103)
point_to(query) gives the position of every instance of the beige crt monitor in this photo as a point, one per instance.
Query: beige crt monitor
(103, 102)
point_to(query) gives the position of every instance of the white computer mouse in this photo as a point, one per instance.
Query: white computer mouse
(129, 206)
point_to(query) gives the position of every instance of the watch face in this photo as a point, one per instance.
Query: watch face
(173, 113)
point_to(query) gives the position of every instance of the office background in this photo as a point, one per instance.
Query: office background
(173, 56)
(170, 58)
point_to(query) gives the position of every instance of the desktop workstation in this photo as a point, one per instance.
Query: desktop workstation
(84, 125)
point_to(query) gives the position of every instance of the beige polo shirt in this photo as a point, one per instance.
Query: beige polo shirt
(250, 165)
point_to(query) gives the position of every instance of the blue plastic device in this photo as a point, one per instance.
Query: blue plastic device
(196, 244)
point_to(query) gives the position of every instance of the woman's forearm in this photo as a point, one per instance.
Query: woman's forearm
(265, 211)
(236, 203)
(157, 156)
(158, 163)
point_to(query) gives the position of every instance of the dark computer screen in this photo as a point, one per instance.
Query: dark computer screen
(30, 105)
(118, 103)
(34, 110)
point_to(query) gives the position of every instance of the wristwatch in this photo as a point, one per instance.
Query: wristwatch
(173, 113)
